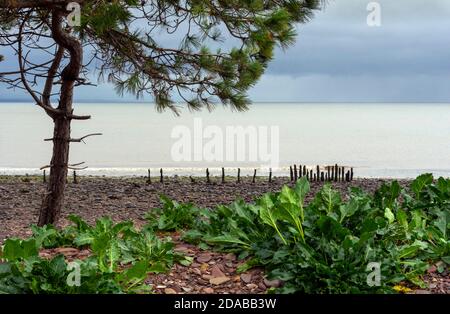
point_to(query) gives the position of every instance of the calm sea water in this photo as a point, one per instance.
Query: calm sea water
(379, 140)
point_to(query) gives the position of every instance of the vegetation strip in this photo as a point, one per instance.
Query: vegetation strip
(322, 247)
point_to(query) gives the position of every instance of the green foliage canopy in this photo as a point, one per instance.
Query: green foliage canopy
(224, 46)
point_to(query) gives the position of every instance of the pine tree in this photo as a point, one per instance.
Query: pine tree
(123, 41)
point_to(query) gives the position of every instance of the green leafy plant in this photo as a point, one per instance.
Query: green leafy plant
(325, 247)
(172, 216)
(120, 261)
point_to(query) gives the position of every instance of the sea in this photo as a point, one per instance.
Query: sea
(376, 140)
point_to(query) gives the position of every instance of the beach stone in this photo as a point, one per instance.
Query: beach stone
(273, 283)
(216, 272)
(208, 290)
(230, 257)
(246, 277)
(204, 267)
(130, 205)
(432, 269)
(422, 292)
(181, 248)
(169, 291)
(251, 286)
(204, 258)
(219, 280)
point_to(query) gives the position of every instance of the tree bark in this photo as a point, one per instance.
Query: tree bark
(54, 197)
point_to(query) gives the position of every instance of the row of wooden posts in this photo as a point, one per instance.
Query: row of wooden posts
(328, 173)
(332, 173)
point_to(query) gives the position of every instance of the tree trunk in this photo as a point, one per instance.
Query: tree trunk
(53, 199)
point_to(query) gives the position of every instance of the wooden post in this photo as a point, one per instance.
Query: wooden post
(315, 177)
(44, 179)
(318, 172)
(75, 181)
(291, 173)
(239, 175)
(347, 176)
(343, 173)
(322, 176)
(223, 175)
(254, 176)
(295, 173)
(339, 174)
(311, 175)
(149, 178)
(335, 172)
(207, 175)
(351, 174)
(270, 175)
(161, 176)
(300, 171)
(307, 175)
(304, 170)
(328, 172)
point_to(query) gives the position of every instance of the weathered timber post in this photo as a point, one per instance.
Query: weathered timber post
(270, 175)
(44, 179)
(161, 176)
(239, 175)
(75, 180)
(254, 176)
(351, 174)
(149, 178)
(335, 172)
(223, 175)
(291, 173)
(295, 173)
(207, 176)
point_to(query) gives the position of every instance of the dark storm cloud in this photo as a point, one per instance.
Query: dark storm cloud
(338, 57)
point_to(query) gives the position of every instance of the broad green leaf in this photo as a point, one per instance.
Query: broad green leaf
(330, 198)
(421, 182)
(268, 216)
(16, 249)
(227, 239)
(389, 215)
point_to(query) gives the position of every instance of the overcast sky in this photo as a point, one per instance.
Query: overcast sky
(339, 58)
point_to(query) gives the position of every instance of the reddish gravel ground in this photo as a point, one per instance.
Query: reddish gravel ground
(131, 198)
